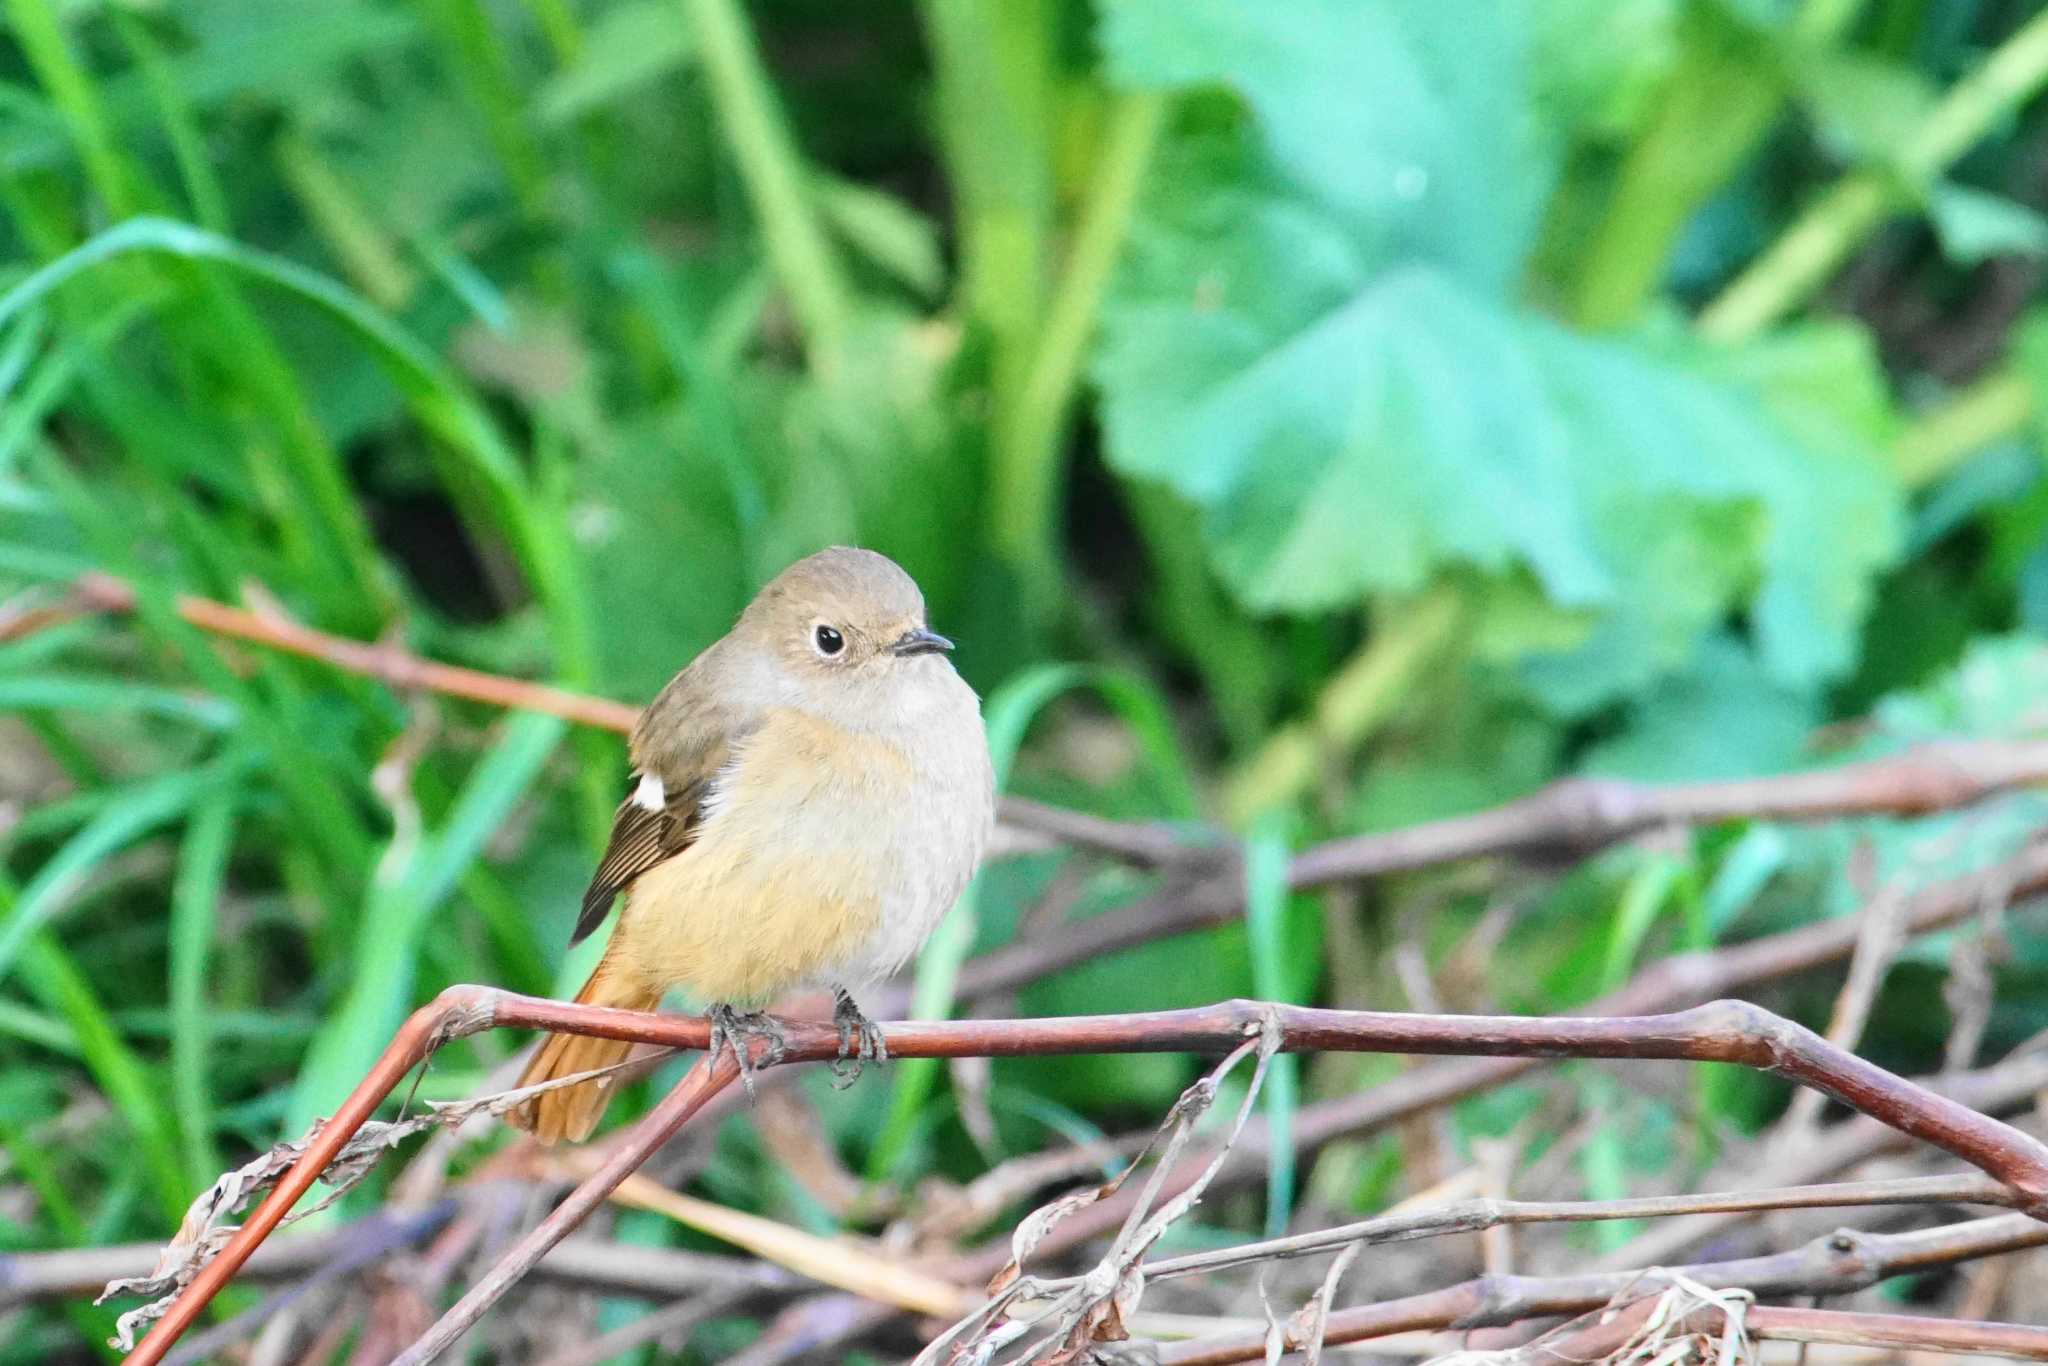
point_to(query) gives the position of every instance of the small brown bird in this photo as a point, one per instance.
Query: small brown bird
(809, 797)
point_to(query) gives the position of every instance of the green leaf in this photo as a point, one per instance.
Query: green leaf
(1975, 226)
(892, 236)
(1864, 106)
(629, 47)
(1410, 120)
(1359, 408)
(1722, 718)
(1412, 427)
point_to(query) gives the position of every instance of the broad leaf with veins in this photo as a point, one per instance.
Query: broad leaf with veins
(1314, 338)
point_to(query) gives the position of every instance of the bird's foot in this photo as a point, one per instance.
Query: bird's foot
(860, 1042)
(736, 1030)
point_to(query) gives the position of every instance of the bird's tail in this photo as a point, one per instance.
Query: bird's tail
(573, 1111)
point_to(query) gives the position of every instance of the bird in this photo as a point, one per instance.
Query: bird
(808, 798)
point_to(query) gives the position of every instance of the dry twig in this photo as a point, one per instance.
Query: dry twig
(1835, 1264)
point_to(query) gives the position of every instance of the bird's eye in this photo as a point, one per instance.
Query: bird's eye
(830, 642)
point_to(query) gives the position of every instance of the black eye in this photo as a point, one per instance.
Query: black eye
(830, 642)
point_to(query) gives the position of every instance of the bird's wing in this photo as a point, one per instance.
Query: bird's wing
(680, 745)
(640, 839)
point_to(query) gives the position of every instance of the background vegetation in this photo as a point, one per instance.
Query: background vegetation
(1309, 417)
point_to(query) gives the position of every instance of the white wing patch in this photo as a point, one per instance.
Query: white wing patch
(650, 795)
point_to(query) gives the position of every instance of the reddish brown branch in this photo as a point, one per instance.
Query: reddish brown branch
(388, 664)
(1477, 1216)
(1899, 1332)
(1671, 984)
(1576, 816)
(1724, 1031)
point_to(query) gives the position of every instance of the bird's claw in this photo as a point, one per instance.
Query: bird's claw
(736, 1030)
(860, 1043)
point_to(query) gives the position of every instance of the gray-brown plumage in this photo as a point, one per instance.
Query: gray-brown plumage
(810, 796)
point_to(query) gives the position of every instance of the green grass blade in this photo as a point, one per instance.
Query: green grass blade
(55, 980)
(486, 477)
(1649, 889)
(146, 806)
(39, 32)
(408, 887)
(39, 1028)
(1265, 892)
(195, 899)
(52, 691)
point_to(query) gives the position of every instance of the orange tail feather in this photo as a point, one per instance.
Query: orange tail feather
(572, 1112)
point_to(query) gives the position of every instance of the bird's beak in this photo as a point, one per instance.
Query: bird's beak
(920, 642)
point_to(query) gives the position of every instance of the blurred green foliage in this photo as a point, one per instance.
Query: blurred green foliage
(1393, 405)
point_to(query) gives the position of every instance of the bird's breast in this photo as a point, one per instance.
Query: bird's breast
(825, 856)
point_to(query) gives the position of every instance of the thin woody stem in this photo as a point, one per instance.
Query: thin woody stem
(1833, 1264)
(711, 1075)
(387, 664)
(1897, 1332)
(1722, 1031)
(1475, 1216)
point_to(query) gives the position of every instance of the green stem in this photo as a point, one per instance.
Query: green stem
(1989, 410)
(203, 190)
(1351, 706)
(351, 231)
(1718, 103)
(1811, 249)
(40, 35)
(1027, 464)
(775, 178)
(993, 72)
(478, 65)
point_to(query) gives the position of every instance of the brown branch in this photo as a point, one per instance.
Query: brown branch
(1672, 983)
(1577, 816)
(1995, 1089)
(1905, 1332)
(372, 1243)
(587, 1263)
(1593, 1342)
(1836, 1264)
(387, 664)
(1476, 1216)
(1723, 1031)
(710, 1076)
(665, 1322)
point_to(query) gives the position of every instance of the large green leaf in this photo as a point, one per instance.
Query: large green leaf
(1346, 386)
(1412, 121)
